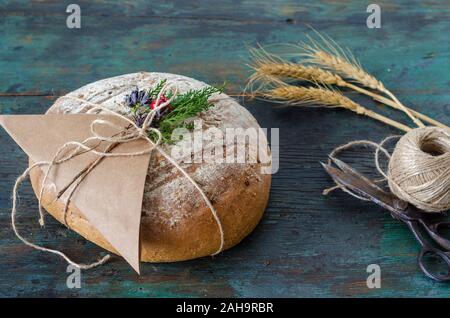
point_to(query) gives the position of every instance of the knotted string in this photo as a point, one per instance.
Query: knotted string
(418, 170)
(65, 153)
(379, 147)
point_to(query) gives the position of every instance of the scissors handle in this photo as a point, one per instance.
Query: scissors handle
(425, 228)
(434, 230)
(429, 250)
(433, 252)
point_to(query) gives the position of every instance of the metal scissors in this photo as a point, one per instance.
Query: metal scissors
(426, 227)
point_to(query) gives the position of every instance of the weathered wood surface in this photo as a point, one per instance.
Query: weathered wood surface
(307, 244)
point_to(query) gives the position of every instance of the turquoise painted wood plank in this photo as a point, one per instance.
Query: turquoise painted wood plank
(307, 245)
(40, 55)
(247, 10)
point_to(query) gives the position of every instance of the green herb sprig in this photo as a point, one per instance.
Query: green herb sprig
(153, 92)
(185, 106)
(173, 115)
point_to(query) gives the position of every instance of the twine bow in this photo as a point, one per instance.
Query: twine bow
(72, 149)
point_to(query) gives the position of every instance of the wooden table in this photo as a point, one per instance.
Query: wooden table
(307, 245)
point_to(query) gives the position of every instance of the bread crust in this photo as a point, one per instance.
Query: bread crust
(239, 193)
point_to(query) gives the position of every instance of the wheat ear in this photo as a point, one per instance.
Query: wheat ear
(295, 95)
(266, 64)
(333, 57)
(269, 65)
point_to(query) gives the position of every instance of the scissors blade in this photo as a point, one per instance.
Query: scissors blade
(348, 177)
(349, 170)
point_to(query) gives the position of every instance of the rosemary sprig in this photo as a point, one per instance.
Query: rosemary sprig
(172, 115)
(153, 92)
(185, 106)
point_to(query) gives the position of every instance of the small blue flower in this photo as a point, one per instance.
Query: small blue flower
(136, 97)
(139, 120)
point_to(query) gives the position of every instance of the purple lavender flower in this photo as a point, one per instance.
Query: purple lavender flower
(137, 97)
(139, 119)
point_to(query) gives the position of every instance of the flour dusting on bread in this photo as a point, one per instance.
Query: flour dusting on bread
(168, 197)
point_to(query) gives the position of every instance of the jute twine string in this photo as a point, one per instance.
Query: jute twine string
(72, 149)
(358, 143)
(418, 169)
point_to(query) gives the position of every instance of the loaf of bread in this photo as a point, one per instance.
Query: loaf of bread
(176, 224)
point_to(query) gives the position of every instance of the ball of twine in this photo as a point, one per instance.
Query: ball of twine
(419, 169)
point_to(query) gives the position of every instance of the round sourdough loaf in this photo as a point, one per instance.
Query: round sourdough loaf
(176, 223)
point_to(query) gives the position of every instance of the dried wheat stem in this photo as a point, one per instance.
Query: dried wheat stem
(267, 66)
(386, 120)
(325, 97)
(393, 104)
(356, 73)
(318, 75)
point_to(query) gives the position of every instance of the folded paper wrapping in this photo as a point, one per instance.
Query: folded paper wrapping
(104, 196)
(175, 223)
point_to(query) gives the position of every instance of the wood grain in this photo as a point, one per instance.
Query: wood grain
(307, 244)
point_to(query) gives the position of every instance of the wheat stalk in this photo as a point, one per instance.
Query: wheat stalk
(393, 104)
(331, 56)
(295, 95)
(299, 71)
(267, 66)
